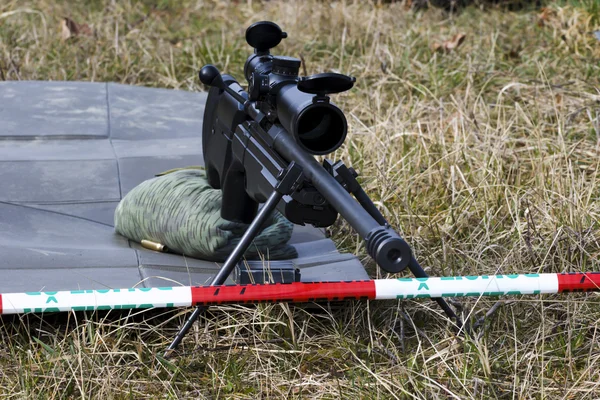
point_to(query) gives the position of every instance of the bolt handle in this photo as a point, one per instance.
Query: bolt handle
(210, 76)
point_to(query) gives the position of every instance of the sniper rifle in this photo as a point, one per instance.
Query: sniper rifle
(259, 147)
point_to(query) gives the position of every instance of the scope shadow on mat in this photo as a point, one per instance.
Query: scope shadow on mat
(183, 212)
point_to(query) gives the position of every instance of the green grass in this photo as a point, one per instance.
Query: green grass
(485, 158)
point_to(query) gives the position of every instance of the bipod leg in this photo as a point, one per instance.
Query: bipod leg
(288, 181)
(419, 272)
(347, 178)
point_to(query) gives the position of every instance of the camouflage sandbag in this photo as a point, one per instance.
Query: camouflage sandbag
(181, 211)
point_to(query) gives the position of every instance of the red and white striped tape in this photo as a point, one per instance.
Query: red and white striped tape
(380, 289)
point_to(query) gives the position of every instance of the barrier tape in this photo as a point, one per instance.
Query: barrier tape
(379, 289)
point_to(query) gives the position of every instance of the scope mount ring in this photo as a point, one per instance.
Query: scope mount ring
(264, 35)
(325, 83)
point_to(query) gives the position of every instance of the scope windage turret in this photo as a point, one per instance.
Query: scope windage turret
(316, 124)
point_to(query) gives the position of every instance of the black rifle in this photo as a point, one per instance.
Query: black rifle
(258, 147)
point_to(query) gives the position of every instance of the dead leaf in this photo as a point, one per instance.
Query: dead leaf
(70, 28)
(545, 16)
(451, 44)
(558, 98)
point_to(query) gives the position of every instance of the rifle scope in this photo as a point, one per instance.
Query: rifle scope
(301, 105)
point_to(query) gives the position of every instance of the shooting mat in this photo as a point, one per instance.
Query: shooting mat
(69, 151)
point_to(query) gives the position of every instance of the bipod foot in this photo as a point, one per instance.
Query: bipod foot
(419, 272)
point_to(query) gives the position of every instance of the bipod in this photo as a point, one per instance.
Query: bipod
(287, 182)
(347, 178)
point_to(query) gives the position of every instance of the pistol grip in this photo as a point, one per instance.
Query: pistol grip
(237, 206)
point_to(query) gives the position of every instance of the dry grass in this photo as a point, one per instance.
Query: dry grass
(485, 158)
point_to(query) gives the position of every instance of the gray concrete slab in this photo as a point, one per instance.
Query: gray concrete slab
(138, 113)
(159, 147)
(59, 181)
(102, 212)
(69, 151)
(42, 279)
(55, 149)
(45, 110)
